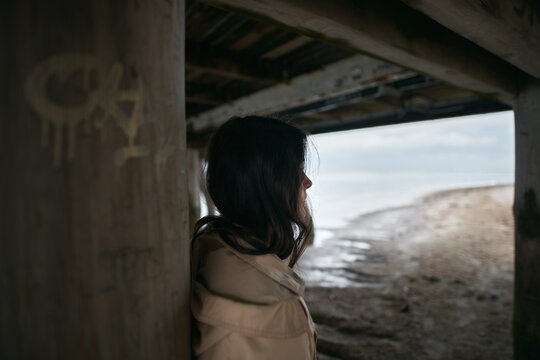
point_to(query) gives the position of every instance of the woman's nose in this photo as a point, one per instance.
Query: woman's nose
(307, 182)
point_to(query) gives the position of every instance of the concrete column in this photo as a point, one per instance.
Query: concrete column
(94, 254)
(526, 325)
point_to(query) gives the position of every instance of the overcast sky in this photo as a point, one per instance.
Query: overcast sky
(364, 170)
(470, 143)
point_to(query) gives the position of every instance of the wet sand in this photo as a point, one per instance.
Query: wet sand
(428, 281)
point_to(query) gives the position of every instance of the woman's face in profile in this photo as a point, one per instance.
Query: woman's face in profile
(305, 184)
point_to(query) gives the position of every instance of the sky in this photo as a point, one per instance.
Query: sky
(479, 142)
(362, 170)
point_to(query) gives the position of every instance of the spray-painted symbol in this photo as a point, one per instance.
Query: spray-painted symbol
(92, 94)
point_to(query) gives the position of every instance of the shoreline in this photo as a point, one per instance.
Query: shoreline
(351, 203)
(441, 275)
(416, 201)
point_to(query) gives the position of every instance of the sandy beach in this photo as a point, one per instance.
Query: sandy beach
(432, 280)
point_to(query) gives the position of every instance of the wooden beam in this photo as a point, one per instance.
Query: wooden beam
(342, 77)
(526, 322)
(192, 74)
(392, 31)
(507, 28)
(231, 71)
(219, 62)
(435, 110)
(200, 99)
(210, 91)
(251, 37)
(386, 88)
(287, 47)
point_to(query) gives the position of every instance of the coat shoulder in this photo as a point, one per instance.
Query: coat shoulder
(243, 305)
(226, 273)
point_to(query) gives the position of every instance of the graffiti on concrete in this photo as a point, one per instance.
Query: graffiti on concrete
(70, 89)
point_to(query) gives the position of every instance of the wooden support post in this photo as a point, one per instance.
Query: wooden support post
(526, 325)
(94, 257)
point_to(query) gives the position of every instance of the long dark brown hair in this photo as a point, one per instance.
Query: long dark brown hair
(255, 170)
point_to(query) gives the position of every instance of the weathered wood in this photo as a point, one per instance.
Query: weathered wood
(342, 77)
(203, 100)
(192, 74)
(94, 260)
(507, 28)
(526, 325)
(392, 31)
(358, 119)
(212, 62)
(287, 47)
(251, 37)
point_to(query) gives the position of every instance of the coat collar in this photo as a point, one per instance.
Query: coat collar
(270, 265)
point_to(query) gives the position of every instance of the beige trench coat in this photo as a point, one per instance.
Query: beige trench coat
(247, 306)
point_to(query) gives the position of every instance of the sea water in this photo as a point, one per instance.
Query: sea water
(359, 171)
(337, 198)
(366, 171)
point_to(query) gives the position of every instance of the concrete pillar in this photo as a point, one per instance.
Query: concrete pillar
(526, 325)
(94, 255)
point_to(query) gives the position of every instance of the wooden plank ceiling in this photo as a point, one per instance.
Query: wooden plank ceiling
(233, 62)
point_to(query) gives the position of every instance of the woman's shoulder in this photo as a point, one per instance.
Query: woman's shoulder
(225, 271)
(246, 330)
(247, 300)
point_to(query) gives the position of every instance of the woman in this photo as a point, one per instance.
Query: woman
(246, 299)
